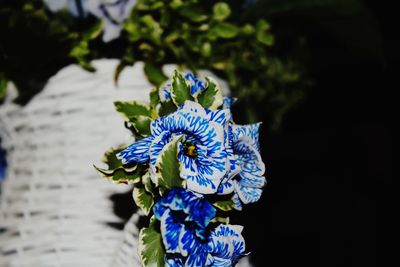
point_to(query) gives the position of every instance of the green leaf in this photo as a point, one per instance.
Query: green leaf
(110, 158)
(176, 4)
(168, 167)
(193, 13)
(225, 205)
(121, 175)
(143, 199)
(80, 50)
(180, 91)
(212, 97)
(262, 33)
(154, 98)
(166, 108)
(131, 109)
(132, 28)
(221, 11)
(94, 31)
(248, 29)
(147, 183)
(206, 49)
(154, 74)
(141, 124)
(226, 30)
(152, 27)
(224, 220)
(151, 250)
(3, 88)
(117, 72)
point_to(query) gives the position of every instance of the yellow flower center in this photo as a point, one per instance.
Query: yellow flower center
(191, 150)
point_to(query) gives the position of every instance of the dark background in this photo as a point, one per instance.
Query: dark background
(329, 165)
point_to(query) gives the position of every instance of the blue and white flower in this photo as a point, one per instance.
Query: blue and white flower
(196, 87)
(111, 12)
(247, 185)
(250, 181)
(202, 153)
(226, 245)
(186, 232)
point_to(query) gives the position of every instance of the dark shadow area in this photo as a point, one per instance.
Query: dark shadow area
(329, 166)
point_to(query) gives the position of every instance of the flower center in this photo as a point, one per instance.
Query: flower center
(190, 149)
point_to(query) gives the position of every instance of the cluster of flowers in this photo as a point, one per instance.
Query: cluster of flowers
(190, 149)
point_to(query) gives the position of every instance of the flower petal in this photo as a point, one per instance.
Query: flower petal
(250, 131)
(196, 85)
(191, 247)
(193, 108)
(221, 116)
(249, 159)
(174, 262)
(137, 152)
(226, 241)
(225, 188)
(170, 230)
(200, 211)
(165, 92)
(201, 184)
(247, 194)
(228, 102)
(221, 262)
(237, 203)
(255, 182)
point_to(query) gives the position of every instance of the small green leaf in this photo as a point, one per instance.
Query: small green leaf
(151, 249)
(180, 91)
(248, 29)
(141, 124)
(143, 199)
(224, 220)
(206, 49)
(225, 205)
(221, 11)
(3, 88)
(132, 28)
(154, 74)
(168, 167)
(262, 33)
(226, 30)
(131, 109)
(80, 50)
(176, 4)
(152, 28)
(192, 13)
(212, 97)
(166, 108)
(122, 176)
(94, 31)
(147, 183)
(110, 158)
(154, 98)
(117, 72)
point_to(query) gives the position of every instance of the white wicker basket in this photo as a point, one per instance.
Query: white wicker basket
(54, 207)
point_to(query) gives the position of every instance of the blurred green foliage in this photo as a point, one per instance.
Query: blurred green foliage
(266, 72)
